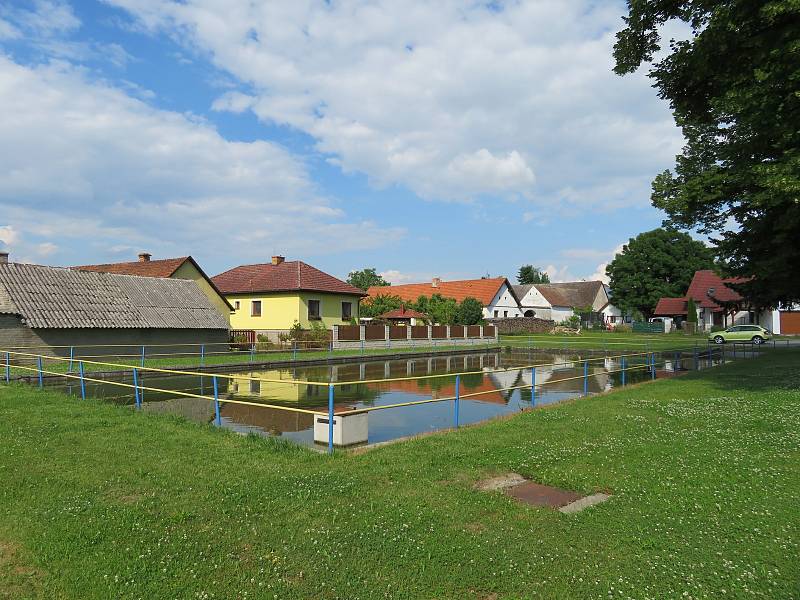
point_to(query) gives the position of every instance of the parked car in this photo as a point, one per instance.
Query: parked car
(741, 333)
(667, 321)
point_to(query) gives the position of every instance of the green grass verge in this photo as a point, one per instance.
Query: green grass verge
(600, 340)
(99, 501)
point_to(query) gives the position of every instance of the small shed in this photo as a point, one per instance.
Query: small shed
(54, 308)
(405, 316)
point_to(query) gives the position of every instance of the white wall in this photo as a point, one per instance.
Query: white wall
(561, 313)
(504, 303)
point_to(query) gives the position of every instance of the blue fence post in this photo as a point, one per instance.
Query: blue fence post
(458, 394)
(294, 349)
(623, 371)
(217, 416)
(696, 358)
(586, 378)
(330, 419)
(653, 365)
(202, 355)
(39, 367)
(83, 382)
(143, 355)
(136, 397)
(8, 368)
(71, 358)
(362, 346)
(677, 365)
(533, 386)
(252, 351)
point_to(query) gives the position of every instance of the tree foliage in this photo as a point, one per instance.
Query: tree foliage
(733, 87)
(366, 278)
(378, 305)
(691, 311)
(445, 311)
(529, 274)
(470, 312)
(656, 263)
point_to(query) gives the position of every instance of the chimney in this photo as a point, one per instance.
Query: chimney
(436, 281)
(144, 257)
(276, 260)
(3, 258)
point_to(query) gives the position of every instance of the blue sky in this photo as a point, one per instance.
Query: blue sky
(444, 139)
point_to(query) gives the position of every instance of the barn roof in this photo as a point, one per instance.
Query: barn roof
(572, 293)
(56, 298)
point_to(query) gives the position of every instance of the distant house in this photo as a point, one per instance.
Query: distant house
(270, 297)
(496, 294)
(404, 316)
(55, 308)
(184, 267)
(558, 301)
(719, 305)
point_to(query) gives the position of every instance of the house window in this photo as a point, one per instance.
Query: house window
(313, 310)
(496, 314)
(236, 305)
(347, 311)
(505, 313)
(255, 308)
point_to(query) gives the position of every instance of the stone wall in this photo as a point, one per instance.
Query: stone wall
(522, 325)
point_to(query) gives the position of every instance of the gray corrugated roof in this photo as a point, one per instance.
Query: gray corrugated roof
(52, 297)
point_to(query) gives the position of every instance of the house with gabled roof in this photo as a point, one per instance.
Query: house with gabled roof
(183, 267)
(54, 308)
(270, 297)
(559, 301)
(495, 293)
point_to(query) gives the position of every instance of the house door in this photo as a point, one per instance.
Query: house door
(790, 322)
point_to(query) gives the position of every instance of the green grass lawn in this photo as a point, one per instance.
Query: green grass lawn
(610, 341)
(100, 501)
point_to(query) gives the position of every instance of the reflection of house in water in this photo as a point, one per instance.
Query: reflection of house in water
(271, 420)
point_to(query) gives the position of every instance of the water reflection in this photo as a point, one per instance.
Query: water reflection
(559, 376)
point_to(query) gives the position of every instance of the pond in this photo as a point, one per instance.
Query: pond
(559, 377)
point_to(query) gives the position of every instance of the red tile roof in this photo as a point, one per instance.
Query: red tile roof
(403, 313)
(704, 281)
(670, 306)
(483, 290)
(149, 268)
(288, 276)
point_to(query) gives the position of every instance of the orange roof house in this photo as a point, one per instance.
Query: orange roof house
(496, 294)
(714, 299)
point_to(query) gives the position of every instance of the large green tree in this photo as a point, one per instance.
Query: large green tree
(734, 88)
(529, 274)
(366, 278)
(378, 305)
(470, 312)
(656, 263)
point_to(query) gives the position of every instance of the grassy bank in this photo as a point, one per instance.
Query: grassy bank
(601, 340)
(231, 358)
(99, 501)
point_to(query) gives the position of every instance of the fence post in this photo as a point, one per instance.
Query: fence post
(8, 368)
(458, 393)
(696, 358)
(533, 386)
(202, 355)
(252, 351)
(676, 366)
(136, 397)
(83, 382)
(39, 367)
(294, 350)
(217, 416)
(330, 419)
(143, 354)
(71, 358)
(623, 371)
(586, 378)
(653, 365)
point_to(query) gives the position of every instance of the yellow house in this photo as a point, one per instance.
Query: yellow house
(184, 267)
(268, 298)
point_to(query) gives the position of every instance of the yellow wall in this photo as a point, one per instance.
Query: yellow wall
(280, 311)
(188, 271)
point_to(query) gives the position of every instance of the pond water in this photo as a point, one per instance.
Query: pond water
(489, 373)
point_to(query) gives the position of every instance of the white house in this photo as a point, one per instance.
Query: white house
(557, 301)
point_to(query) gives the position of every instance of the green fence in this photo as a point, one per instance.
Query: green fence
(648, 327)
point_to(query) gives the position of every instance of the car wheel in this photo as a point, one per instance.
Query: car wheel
(758, 339)
(719, 340)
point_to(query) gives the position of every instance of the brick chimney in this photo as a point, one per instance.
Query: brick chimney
(144, 257)
(3, 258)
(435, 283)
(276, 260)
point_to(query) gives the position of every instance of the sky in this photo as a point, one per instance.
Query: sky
(424, 139)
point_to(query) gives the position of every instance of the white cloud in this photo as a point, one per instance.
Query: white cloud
(81, 160)
(452, 100)
(8, 235)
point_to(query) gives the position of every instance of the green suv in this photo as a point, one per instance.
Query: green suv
(741, 333)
